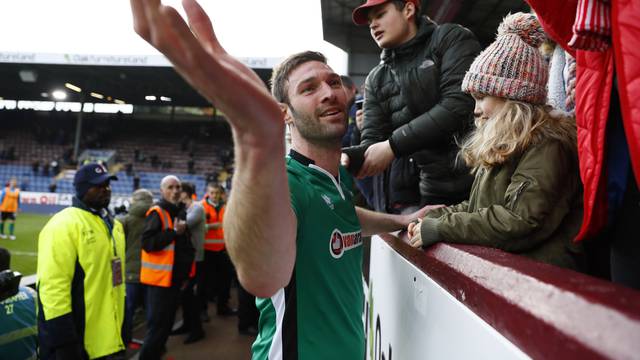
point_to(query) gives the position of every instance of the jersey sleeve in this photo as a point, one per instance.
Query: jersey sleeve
(299, 199)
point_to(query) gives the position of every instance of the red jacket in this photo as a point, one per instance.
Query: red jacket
(594, 78)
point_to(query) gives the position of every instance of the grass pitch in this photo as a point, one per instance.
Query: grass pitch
(24, 249)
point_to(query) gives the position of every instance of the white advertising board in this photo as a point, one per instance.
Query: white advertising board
(409, 316)
(59, 199)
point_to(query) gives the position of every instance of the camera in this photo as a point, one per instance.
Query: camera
(359, 104)
(9, 284)
(120, 210)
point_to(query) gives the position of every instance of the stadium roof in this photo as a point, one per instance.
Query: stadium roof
(127, 83)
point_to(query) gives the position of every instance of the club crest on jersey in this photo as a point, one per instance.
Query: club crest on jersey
(339, 242)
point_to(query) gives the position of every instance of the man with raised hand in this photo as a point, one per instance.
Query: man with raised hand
(290, 227)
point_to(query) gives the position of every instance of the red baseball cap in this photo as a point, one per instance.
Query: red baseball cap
(360, 13)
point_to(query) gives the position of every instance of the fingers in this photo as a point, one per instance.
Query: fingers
(140, 23)
(344, 160)
(364, 170)
(155, 23)
(201, 26)
(168, 36)
(410, 229)
(416, 241)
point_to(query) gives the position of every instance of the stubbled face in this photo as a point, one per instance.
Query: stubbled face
(318, 103)
(170, 190)
(215, 194)
(487, 106)
(98, 196)
(389, 26)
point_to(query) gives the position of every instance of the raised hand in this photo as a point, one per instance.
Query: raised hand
(197, 55)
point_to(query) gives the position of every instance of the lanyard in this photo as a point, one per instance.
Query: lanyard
(110, 230)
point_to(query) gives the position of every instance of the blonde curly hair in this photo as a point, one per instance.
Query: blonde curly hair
(516, 127)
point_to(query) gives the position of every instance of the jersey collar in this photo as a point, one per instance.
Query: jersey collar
(300, 158)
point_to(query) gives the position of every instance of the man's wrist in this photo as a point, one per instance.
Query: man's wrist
(393, 146)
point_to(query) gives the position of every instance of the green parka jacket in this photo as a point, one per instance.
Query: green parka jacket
(530, 205)
(133, 225)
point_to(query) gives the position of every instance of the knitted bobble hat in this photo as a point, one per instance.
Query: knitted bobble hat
(511, 67)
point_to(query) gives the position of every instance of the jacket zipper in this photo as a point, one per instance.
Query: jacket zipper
(519, 191)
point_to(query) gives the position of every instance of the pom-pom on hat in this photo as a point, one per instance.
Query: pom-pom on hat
(511, 67)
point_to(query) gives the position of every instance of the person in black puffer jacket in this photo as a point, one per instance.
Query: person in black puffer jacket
(415, 111)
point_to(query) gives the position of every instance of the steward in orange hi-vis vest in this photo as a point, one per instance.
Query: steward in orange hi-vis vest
(156, 267)
(166, 261)
(214, 237)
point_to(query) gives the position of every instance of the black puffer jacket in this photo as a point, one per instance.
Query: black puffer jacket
(414, 99)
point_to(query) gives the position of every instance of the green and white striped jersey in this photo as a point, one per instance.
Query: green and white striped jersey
(318, 315)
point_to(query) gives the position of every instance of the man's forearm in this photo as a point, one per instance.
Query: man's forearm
(260, 226)
(376, 223)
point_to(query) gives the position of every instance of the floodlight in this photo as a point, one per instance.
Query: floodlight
(59, 94)
(72, 87)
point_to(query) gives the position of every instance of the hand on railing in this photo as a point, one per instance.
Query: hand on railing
(413, 231)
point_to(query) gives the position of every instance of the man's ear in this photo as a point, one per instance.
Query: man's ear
(288, 119)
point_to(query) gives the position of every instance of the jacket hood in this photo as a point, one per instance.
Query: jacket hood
(140, 207)
(425, 29)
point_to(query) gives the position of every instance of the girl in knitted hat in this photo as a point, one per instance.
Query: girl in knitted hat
(526, 197)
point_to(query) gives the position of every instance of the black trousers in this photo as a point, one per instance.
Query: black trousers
(247, 311)
(161, 311)
(218, 274)
(192, 306)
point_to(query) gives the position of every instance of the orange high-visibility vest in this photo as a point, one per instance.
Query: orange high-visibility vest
(213, 238)
(10, 200)
(156, 267)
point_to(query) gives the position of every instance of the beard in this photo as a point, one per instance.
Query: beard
(98, 203)
(314, 131)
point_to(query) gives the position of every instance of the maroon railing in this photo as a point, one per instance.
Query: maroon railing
(548, 312)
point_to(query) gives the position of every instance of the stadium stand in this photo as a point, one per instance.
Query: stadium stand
(41, 149)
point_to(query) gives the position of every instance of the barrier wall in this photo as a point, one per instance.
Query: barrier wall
(49, 203)
(469, 302)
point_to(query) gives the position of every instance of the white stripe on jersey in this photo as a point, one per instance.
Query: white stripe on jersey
(278, 302)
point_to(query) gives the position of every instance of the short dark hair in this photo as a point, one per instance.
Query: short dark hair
(5, 259)
(215, 185)
(188, 188)
(400, 4)
(280, 74)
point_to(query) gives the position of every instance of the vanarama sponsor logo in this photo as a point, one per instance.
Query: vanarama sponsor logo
(339, 242)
